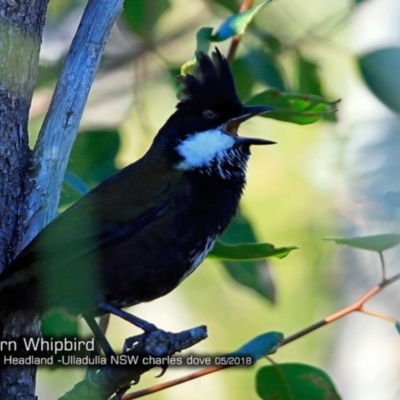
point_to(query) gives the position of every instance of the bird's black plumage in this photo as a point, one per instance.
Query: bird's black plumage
(137, 235)
(211, 84)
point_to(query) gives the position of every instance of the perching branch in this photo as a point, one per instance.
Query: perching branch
(112, 379)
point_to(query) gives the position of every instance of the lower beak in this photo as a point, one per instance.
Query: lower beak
(249, 141)
(232, 125)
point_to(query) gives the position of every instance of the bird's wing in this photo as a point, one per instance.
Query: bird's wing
(115, 209)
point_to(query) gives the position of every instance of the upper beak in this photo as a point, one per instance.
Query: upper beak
(232, 125)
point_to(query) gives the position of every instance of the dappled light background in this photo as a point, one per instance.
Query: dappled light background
(320, 180)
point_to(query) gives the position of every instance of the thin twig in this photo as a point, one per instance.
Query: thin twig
(379, 315)
(387, 282)
(356, 306)
(383, 266)
(174, 382)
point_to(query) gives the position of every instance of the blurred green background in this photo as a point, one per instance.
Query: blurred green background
(295, 190)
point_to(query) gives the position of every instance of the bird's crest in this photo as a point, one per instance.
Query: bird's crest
(211, 80)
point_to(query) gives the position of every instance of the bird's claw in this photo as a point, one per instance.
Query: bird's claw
(120, 393)
(164, 368)
(132, 341)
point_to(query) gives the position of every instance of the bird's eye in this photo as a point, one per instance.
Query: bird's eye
(210, 114)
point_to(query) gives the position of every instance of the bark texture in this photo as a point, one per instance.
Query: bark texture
(21, 26)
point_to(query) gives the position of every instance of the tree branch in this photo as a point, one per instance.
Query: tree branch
(113, 378)
(50, 156)
(356, 306)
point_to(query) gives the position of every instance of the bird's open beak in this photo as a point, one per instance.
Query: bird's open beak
(232, 125)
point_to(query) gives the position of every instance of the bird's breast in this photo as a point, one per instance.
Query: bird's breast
(170, 247)
(197, 255)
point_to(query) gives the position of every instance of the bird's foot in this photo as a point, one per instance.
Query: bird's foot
(162, 345)
(156, 343)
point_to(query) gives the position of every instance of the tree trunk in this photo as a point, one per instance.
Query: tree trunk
(21, 27)
(30, 182)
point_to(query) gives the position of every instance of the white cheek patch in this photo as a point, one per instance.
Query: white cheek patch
(201, 148)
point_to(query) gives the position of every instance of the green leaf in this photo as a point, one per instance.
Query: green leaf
(92, 160)
(142, 15)
(377, 243)
(203, 39)
(293, 381)
(256, 66)
(291, 107)
(58, 324)
(203, 42)
(255, 275)
(264, 68)
(308, 81)
(261, 345)
(188, 66)
(237, 24)
(270, 42)
(397, 326)
(93, 155)
(380, 70)
(244, 80)
(307, 77)
(248, 251)
(233, 25)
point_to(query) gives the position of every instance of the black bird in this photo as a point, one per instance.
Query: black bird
(137, 235)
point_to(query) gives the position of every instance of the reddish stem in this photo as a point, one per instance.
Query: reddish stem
(246, 5)
(356, 306)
